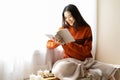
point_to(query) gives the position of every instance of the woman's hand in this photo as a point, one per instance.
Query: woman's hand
(52, 43)
(59, 39)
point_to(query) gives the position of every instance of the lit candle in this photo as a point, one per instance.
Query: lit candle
(32, 77)
(40, 73)
(46, 71)
(38, 78)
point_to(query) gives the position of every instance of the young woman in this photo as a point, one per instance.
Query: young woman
(80, 30)
(78, 61)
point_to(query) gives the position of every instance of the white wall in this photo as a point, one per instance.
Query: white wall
(23, 23)
(86, 7)
(108, 38)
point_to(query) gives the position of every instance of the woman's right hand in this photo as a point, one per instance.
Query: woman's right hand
(51, 44)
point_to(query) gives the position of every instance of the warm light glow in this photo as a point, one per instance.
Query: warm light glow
(23, 25)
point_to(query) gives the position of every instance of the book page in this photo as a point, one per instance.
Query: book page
(65, 35)
(50, 36)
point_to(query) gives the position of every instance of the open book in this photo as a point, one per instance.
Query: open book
(63, 35)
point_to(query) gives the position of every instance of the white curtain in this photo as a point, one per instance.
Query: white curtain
(23, 25)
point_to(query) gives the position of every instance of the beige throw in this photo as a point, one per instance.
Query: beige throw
(90, 69)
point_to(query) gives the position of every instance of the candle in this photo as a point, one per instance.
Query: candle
(40, 73)
(38, 78)
(46, 71)
(32, 77)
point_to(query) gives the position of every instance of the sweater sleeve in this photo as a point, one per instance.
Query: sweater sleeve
(81, 48)
(51, 44)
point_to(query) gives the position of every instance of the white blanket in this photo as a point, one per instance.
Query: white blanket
(90, 69)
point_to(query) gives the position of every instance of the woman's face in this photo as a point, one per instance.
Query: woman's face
(69, 18)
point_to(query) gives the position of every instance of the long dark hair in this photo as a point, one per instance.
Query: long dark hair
(79, 20)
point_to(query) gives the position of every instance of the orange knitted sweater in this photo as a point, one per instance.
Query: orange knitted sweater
(81, 48)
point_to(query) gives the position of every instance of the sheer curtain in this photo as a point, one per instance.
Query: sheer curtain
(23, 25)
